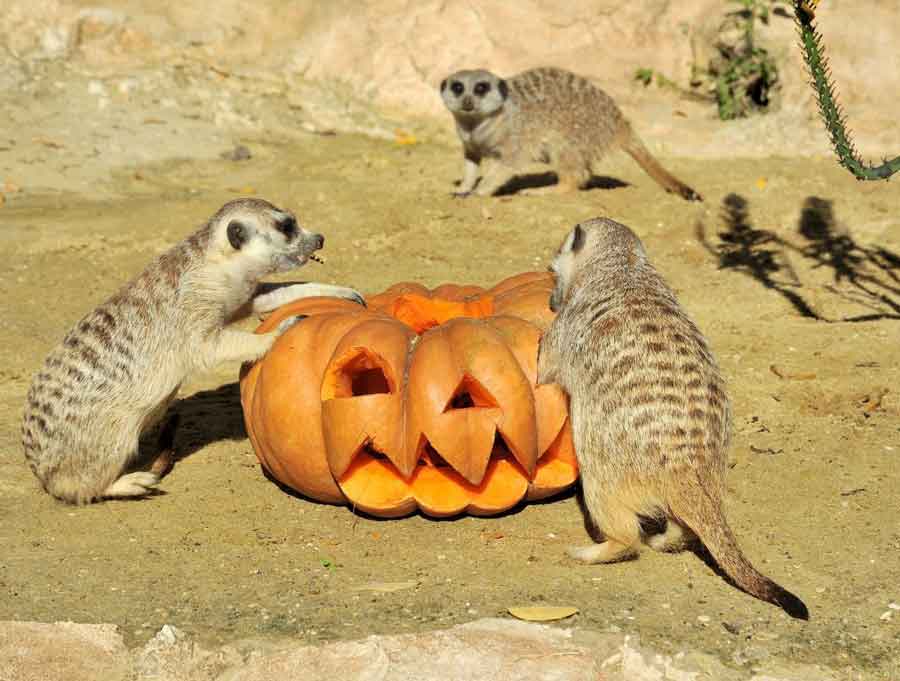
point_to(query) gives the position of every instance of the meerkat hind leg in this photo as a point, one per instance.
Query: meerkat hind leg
(621, 530)
(136, 484)
(609, 551)
(675, 538)
(166, 446)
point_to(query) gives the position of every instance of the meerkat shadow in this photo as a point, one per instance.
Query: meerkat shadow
(206, 417)
(548, 179)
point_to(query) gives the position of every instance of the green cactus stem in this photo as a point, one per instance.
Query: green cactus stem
(830, 110)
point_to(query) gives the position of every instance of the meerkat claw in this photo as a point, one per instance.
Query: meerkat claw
(290, 321)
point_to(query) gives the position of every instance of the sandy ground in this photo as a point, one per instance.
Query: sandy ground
(791, 267)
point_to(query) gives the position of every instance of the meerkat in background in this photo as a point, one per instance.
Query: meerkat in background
(650, 416)
(116, 372)
(544, 115)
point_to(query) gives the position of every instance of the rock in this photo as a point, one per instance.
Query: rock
(34, 651)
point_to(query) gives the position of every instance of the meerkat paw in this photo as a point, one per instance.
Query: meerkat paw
(347, 293)
(282, 295)
(461, 194)
(132, 485)
(606, 552)
(289, 322)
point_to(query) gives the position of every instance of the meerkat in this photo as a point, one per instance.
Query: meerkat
(117, 370)
(544, 115)
(650, 415)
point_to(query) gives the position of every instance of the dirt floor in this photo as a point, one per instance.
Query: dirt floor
(791, 268)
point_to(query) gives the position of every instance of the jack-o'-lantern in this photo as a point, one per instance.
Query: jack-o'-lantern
(425, 399)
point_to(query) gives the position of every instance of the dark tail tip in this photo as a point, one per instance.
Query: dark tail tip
(792, 605)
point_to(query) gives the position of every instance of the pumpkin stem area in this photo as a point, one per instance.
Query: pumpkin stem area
(421, 313)
(359, 372)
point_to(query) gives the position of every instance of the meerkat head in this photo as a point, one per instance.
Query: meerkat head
(265, 238)
(600, 244)
(474, 94)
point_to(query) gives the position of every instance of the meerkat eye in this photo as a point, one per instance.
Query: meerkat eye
(287, 226)
(457, 88)
(237, 234)
(482, 88)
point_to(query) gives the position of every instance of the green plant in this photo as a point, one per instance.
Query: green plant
(829, 109)
(644, 76)
(743, 74)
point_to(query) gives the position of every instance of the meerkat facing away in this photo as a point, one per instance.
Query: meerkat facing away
(117, 370)
(545, 115)
(650, 416)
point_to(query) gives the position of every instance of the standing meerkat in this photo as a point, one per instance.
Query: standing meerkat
(544, 115)
(116, 372)
(650, 416)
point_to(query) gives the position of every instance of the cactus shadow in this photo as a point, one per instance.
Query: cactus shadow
(866, 276)
(870, 275)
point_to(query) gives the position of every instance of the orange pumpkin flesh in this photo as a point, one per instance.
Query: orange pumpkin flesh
(424, 400)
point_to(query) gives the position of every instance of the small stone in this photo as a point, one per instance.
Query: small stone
(239, 153)
(704, 619)
(732, 627)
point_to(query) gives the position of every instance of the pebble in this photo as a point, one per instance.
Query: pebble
(704, 619)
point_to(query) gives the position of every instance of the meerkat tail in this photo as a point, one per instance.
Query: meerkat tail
(635, 148)
(693, 505)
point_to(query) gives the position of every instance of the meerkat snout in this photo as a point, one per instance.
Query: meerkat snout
(271, 236)
(563, 266)
(473, 93)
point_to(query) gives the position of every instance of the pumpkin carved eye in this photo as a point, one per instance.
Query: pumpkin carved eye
(424, 400)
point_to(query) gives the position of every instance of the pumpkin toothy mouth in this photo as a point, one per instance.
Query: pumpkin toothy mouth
(425, 400)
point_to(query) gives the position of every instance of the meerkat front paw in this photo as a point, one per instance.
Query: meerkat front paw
(350, 294)
(285, 324)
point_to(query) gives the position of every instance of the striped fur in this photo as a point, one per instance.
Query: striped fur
(117, 370)
(545, 115)
(649, 408)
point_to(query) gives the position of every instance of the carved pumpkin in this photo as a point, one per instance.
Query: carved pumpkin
(424, 400)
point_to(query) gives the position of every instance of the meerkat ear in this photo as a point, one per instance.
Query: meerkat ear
(237, 234)
(578, 238)
(443, 84)
(504, 88)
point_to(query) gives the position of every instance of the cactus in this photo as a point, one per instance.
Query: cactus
(830, 110)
